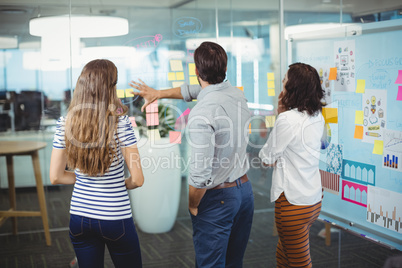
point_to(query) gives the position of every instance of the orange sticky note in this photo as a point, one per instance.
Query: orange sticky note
(378, 147)
(249, 128)
(271, 91)
(330, 115)
(241, 88)
(175, 137)
(152, 119)
(191, 69)
(358, 132)
(332, 73)
(152, 108)
(132, 120)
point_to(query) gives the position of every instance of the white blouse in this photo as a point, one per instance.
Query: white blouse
(294, 145)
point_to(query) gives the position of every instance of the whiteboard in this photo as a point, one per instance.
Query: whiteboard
(360, 168)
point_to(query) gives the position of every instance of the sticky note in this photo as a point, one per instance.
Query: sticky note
(399, 96)
(270, 121)
(378, 147)
(177, 84)
(152, 108)
(175, 137)
(120, 93)
(132, 120)
(176, 65)
(332, 73)
(249, 128)
(193, 80)
(180, 76)
(152, 119)
(171, 76)
(359, 117)
(153, 134)
(399, 78)
(271, 91)
(191, 69)
(330, 115)
(271, 84)
(358, 132)
(128, 92)
(360, 86)
(270, 76)
(241, 88)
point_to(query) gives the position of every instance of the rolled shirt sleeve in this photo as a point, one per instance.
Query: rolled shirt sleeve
(278, 140)
(190, 92)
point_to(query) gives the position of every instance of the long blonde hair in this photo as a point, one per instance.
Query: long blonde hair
(92, 119)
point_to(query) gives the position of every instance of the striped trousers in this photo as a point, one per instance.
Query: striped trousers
(293, 224)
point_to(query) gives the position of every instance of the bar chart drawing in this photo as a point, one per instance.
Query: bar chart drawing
(392, 153)
(330, 182)
(384, 208)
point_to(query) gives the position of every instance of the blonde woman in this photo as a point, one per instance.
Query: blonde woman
(94, 140)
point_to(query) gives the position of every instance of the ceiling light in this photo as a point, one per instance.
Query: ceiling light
(8, 42)
(81, 26)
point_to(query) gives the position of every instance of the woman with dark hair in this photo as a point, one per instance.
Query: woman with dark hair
(94, 140)
(293, 148)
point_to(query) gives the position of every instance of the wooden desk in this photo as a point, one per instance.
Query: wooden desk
(9, 149)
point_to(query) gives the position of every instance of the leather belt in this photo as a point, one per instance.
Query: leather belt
(242, 179)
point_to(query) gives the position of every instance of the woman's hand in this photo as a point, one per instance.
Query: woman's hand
(148, 93)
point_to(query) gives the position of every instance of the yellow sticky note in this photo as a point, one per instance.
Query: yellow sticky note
(171, 76)
(177, 84)
(332, 73)
(128, 92)
(180, 76)
(193, 80)
(191, 69)
(270, 76)
(359, 117)
(176, 65)
(378, 147)
(271, 84)
(120, 93)
(358, 132)
(153, 134)
(330, 115)
(270, 121)
(241, 88)
(271, 91)
(360, 86)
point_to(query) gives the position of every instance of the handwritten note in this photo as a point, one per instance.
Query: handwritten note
(171, 76)
(191, 69)
(270, 121)
(120, 93)
(378, 147)
(399, 78)
(360, 86)
(332, 73)
(180, 76)
(176, 65)
(359, 117)
(270, 76)
(152, 119)
(330, 115)
(193, 80)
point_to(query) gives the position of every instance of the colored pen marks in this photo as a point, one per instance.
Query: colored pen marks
(147, 41)
(186, 26)
(326, 137)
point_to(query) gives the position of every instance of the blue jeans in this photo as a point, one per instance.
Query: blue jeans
(222, 226)
(89, 237)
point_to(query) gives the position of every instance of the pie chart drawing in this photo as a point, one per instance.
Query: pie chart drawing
(326, 137)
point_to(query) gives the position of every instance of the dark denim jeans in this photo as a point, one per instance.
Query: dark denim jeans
(89, 237)
(222, 226)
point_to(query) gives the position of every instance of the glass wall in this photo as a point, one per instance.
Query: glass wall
(39, 69)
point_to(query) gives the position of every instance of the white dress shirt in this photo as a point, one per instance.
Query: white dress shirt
(294, 145)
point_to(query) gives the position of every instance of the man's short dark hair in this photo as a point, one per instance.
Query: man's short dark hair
(211, 62)
(303, 89)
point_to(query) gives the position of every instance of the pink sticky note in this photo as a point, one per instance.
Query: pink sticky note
(175, 137)
(399, 96)
(399, 78)
(152, 108)
(132, 120)
(152, 119)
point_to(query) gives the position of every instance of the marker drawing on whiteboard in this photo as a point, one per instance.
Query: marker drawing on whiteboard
(373, 134)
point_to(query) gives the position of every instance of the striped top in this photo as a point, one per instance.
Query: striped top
(103, 197)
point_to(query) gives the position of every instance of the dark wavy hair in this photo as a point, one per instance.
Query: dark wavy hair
(211, 62)
(303, 89)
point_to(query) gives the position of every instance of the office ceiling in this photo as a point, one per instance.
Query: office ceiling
(15, 14)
